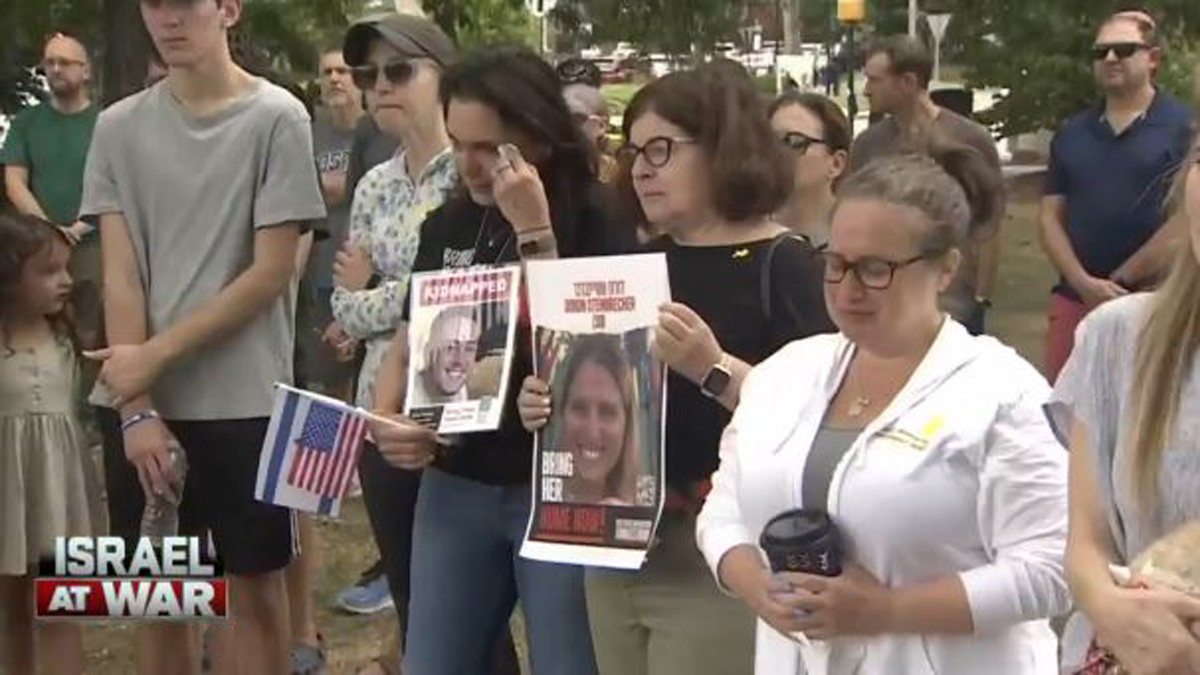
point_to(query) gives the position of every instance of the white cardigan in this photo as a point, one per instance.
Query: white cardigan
(960, 475)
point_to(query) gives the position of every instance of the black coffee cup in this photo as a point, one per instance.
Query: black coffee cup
(803, 540)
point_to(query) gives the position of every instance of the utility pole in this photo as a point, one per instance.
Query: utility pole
(913, 12)
(852, 13)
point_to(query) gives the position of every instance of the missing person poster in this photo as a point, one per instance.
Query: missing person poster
(598, 463)
(461, 332)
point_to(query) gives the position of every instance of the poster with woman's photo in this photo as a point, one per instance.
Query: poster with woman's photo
(462, 326)
(598, 462)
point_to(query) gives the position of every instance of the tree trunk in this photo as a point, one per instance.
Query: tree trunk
(126, 50)
(791, 26)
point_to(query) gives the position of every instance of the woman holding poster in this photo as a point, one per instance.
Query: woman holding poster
(398, 62)
(531, 193)
(703, 166)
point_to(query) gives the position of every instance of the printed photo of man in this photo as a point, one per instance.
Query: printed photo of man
(450, 353)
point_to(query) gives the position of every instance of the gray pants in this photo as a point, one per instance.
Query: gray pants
(669, 618)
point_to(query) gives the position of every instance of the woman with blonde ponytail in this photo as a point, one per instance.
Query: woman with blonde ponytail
(1130, 398)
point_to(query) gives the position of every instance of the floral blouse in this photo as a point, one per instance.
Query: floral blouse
(385, 220)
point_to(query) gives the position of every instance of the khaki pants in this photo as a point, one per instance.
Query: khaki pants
(669, 618)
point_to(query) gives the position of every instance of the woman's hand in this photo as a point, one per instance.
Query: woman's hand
(533, 404)
(403, 443)
(519, 193)
(352, 268)
(1147, 630)
(768, 594)
(685, 342)
(854, 603)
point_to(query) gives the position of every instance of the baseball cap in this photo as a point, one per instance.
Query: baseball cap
(414, 36)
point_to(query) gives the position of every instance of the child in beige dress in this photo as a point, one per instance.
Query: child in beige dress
(47, 484)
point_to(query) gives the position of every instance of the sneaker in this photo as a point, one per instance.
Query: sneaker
(308, 660)
(368, 598)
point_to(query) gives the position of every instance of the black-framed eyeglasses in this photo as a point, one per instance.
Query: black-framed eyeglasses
(1123, 50)
(874, 273)
(799, 141)
(657, 150)
(398, 72)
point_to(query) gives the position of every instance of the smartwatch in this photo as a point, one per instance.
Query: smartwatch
(718, 378)
(536, 242)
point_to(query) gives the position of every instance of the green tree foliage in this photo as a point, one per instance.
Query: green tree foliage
(1038, 52)
(476, 22)
(671, 26)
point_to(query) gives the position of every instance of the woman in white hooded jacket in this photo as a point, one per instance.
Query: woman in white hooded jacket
(928, 448)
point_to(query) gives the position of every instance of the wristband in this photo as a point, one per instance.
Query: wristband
(137, 418)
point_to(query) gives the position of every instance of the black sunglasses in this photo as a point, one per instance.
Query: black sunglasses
(398, 72)
(1123, 50)
(800, 142)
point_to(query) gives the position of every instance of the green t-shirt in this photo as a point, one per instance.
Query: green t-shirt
(54, 148)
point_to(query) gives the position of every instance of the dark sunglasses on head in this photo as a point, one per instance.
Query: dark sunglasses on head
(800, 142)
(397, 72)
(1123, 50)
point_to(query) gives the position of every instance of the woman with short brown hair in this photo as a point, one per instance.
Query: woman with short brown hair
(702, 166)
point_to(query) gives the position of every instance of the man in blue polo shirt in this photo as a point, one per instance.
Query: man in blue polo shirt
(1110, 169)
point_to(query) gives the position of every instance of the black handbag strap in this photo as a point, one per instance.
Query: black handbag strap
(768, 267)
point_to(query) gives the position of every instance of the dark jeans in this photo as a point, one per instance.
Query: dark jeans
(390, 495)
(468, 575)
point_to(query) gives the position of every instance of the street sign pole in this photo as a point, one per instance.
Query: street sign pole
(937, 26)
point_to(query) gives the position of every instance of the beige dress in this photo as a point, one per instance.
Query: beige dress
(48, 485)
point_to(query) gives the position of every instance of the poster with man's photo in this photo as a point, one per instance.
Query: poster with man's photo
(461, 331)
(598, 463)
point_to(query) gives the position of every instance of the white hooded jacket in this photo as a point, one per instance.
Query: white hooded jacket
(961, 474)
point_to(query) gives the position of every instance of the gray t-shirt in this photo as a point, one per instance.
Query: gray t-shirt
(331, 146)
(1094, 388)
(194, 191)
(887, 138)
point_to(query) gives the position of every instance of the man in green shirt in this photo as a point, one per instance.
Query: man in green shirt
(43, 160)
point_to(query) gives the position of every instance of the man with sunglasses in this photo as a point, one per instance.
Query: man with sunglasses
(899, 69)
(1110, 169)
(43, 160)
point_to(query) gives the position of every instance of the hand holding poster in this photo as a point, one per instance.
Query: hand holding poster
(462, 325)
(598, 462)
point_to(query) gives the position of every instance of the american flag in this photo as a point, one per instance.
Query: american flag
(327, 451)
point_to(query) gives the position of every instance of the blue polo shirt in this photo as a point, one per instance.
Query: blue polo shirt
(1115, 185)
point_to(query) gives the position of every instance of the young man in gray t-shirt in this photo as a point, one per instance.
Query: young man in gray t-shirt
(202, 185)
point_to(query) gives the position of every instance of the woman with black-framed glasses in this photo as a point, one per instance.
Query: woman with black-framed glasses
(816, 134)
(702, 166)
(927, 448)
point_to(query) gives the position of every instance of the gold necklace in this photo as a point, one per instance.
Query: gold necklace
(861, 403)
(858, 407)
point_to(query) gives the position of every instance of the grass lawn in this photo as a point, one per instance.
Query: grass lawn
(347, 547)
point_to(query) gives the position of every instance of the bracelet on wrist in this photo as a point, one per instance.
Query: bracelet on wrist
(137, 418)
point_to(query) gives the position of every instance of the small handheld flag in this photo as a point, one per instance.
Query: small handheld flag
(311, 451)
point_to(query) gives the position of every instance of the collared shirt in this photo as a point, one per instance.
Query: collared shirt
(385, 220)
(1115, 184)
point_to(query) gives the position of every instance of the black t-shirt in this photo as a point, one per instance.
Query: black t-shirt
(462, 233)
(724, 285)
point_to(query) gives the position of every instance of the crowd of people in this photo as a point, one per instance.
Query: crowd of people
(171, 258)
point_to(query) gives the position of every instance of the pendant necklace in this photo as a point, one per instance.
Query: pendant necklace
(859, 405)
(491, 241)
